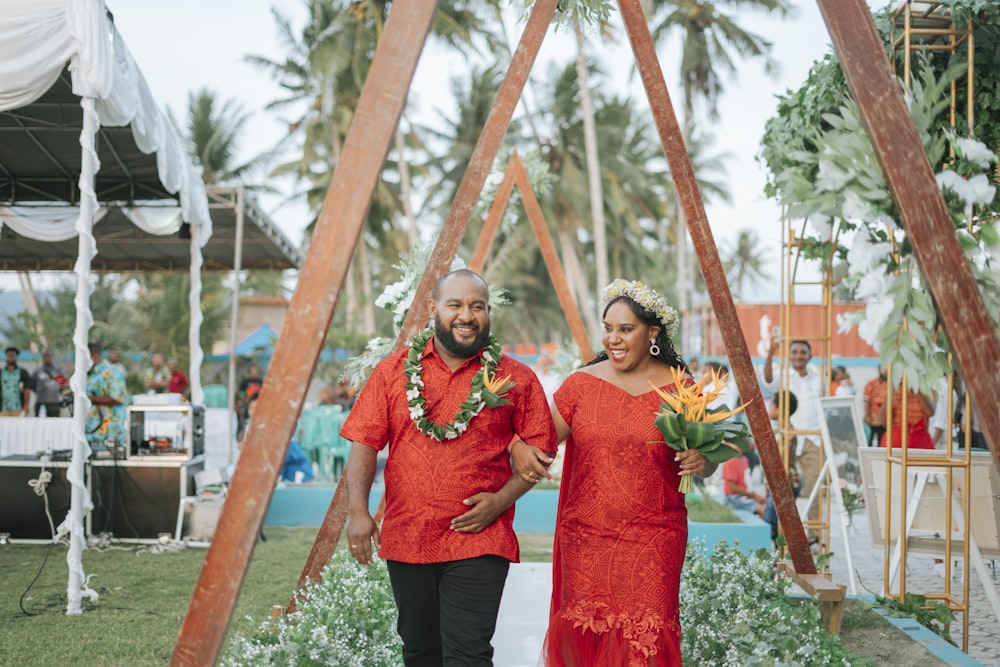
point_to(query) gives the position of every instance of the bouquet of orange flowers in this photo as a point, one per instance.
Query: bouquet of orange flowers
(686, 421)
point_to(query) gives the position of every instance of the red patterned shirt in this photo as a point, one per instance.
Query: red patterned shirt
(426, 480)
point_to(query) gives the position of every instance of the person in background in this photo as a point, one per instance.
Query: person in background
(774, 407)
(919, 410)
(106, 390)
(157, 376)
(49, 383)
(807, 385)
(178, 383)
(875, 393)
(114, 362)
(15, 385)
(249, 386)
(621, 529)
(734, 486)
(447, 536)
(842, 385)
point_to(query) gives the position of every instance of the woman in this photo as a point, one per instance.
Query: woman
(919, 410)
(621, 531)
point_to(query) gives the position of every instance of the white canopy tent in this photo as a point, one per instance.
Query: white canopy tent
(39, 40)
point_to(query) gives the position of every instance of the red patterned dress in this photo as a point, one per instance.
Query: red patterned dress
(621, 533)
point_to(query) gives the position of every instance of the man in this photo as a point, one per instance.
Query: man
(447, 536)
(14, 386)
(115, 362)
(48, 381)
(178, 383)
(807, 385)
(106, 390)
(157, 376)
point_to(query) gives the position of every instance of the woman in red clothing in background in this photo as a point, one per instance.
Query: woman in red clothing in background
(919, 410)
(621, 531)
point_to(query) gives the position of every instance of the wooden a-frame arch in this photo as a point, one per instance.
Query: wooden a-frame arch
(897, 145)
(516, 176)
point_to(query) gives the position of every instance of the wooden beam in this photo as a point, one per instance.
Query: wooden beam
(914, 189)
(337, 231)
(548, 247)
(515, 174)
(715, 281)
(447, 244)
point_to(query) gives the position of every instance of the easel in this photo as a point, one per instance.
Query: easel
(923, 478)
(828, 474)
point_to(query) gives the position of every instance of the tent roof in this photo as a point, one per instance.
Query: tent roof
(40, 164)
(122, 246)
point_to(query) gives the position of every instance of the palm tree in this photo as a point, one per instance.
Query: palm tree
(744, 262)
(212, 134)
(710, 40)
(324, 74)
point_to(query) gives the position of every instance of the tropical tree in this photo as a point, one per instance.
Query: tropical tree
(744, 261)
(211, 132)
(711, 43)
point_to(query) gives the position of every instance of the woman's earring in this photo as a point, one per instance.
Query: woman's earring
(654, 349)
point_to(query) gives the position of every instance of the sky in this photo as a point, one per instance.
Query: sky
(186, 45)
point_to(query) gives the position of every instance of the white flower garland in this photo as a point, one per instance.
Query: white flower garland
(413, 370)
(647, 297)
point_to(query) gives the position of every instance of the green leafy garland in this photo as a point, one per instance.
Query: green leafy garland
(473, 405)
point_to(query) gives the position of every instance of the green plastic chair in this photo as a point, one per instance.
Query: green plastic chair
(216, 396)
(319, 429)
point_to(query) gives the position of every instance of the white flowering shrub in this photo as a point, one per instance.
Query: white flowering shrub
(348, 619)
(734, 611)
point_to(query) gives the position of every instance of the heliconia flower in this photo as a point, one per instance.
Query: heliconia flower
(497, 385)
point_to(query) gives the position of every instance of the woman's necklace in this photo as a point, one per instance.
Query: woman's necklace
(413, 369)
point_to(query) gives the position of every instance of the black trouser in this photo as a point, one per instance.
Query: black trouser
(51, 409)
(877, 433)
(448, 611)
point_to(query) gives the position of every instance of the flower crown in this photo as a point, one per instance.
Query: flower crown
(648, 298)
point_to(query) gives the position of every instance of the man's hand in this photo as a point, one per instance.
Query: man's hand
(530, 462)
(486, 507)
(362, 534)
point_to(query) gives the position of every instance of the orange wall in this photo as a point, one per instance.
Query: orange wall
(805, 322)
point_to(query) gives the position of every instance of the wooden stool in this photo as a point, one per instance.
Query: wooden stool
(831, 595)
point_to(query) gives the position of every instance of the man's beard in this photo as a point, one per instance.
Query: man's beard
(444, 336)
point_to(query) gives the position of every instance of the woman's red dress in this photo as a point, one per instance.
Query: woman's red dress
(621, 533)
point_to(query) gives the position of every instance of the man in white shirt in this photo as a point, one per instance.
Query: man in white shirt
(807, 385)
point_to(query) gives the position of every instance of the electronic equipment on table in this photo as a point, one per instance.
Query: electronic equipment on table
(166, 431)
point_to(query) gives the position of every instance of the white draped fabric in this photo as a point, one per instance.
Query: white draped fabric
(38, 38)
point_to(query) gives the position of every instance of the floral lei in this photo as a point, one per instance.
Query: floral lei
(647, 297)
(473, 405)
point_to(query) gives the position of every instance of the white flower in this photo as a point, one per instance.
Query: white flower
(975, 151)
(487, 356)
(412, 393)
(855, 208)
(392, 292)
(846, 321)
(864, 255)
(823, 224)
(872, 285)
(980, 190)
(831, 177)
(876, 315)
(416, 412)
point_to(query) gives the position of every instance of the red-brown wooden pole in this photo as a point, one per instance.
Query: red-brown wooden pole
(337, 230)
(493, 220)
(447, 244)
(928, 224)
(516, 174)
(715, 281)
(551, 257)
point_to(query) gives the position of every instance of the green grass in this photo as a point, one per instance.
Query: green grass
(705, 510)
(143, 599)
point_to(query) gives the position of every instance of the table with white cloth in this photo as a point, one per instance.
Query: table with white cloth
(30, 435)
